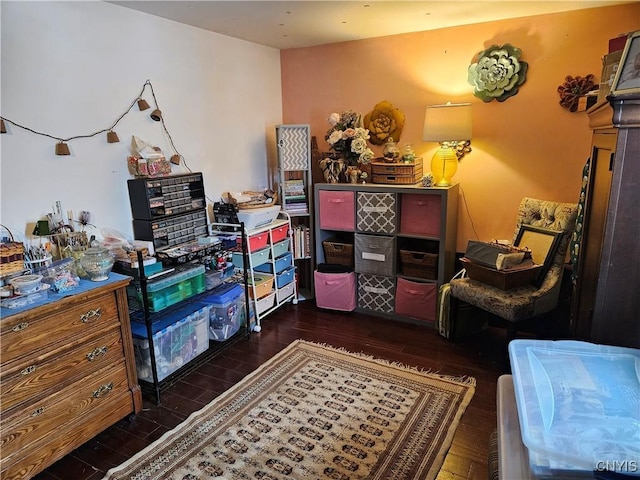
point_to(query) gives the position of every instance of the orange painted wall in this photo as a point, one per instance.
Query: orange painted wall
(527, 145)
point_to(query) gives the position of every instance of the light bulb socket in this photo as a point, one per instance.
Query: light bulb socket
(3, 128)
(62, 149)
(112, 137)
(143, 105)
(175, 159)
(156, 115)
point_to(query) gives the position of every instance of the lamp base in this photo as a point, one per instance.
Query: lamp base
(441, 183)
(444, 165)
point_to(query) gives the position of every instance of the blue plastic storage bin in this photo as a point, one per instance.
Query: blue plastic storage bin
(177, 339)
(285, 277)
(281, 263)
(225, 304)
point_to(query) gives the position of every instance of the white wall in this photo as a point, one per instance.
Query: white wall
(72, 68)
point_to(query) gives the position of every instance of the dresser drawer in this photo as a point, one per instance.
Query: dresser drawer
(53, 370)
(78, 402)
(24, 333)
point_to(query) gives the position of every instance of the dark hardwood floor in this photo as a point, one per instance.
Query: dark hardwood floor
(481, 356)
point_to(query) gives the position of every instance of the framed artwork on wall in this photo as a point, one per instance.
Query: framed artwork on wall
(627, 79)
(543, 244)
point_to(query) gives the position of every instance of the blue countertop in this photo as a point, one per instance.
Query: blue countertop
(84, 286)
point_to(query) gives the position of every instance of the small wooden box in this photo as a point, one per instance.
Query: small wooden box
(502, 279)
(397, 173)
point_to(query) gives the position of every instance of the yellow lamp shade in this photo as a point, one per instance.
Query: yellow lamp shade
(444, 165)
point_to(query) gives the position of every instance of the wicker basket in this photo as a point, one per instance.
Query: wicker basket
(419, 264)
(11, 256)
(338, 253)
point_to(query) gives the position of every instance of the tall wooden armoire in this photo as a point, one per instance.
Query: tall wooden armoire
(606, 303)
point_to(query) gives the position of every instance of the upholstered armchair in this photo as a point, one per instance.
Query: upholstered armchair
(528, 302)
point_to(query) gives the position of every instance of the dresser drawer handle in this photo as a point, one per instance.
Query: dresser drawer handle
(37, 412)
(90, 315)
(100, 351)
(103, 390)
(29, 370)
(20, 326)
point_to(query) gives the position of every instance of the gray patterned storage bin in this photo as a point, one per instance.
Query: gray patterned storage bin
(376, 212)
(374, 254)
(376, 293)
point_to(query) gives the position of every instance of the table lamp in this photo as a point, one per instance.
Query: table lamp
(450, 125)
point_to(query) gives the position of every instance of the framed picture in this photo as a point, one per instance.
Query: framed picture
(543, 244)
(627, 79)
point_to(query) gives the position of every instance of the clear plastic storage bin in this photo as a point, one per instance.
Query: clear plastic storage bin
(226, 304)
(578, 406)
(177, 339)
(173, 288)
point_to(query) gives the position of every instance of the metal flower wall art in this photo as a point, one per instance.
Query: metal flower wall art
(384, 121)
(573, 88)
(498, 73)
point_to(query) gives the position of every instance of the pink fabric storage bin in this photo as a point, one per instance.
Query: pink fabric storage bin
(420, 214)
(416, 300)
(337, 210)
(335, 291)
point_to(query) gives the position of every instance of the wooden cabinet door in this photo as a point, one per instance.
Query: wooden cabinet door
(596, 205)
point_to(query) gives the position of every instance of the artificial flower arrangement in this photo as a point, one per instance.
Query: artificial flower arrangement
(348, 138)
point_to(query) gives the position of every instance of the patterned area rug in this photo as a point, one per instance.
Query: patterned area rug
(314, 412)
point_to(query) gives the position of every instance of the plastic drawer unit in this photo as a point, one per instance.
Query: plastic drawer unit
(285, 277)
(279, 233)
(256, 258)
(279, 264)
(280, 248)
(260, 285)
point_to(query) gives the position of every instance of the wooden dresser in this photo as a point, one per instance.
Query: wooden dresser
(67, 373)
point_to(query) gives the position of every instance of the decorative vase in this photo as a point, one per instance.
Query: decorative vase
(390, 151)
(97, 262)
(334, 170)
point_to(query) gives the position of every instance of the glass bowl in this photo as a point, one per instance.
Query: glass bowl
(97, 263)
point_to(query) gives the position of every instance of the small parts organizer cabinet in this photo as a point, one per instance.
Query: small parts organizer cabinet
(68, 372)
(270, 269)
(168, 211)
(403, 241)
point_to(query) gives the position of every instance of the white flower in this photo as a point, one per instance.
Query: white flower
(334, 137)
(358, 145)
(334, 118)
(366, 156)
(362, 133)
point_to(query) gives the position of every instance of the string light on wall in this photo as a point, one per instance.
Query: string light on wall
(143, 105)
(62, 147)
